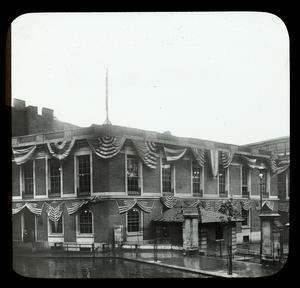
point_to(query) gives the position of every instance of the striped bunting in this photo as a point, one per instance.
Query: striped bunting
(35, 208)
(246, 205)
(226, 159)
(22, 155)
(168, 201)
(279, 166)
(147, 152)
(126, 205)
(73, 207)
(106, 146)
(61, 151)
(54, 213)
(199, 155)
(174, 154)
(269, 204)
(253, 163)
(196, 203)
(214, 162)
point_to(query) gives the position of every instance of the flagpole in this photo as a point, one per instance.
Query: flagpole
(107, 122)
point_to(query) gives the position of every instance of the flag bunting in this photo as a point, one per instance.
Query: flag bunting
(226, 158)
(106, 146)
(168, 201)
(61, 149)
(174, 154)
(22, 155)
(147, 152)
(199, 155)
(126, 205)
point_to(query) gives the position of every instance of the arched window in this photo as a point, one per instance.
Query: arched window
(133, 220)
(86, 222)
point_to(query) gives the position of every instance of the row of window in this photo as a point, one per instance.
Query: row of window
(133, 175)
(85, 222)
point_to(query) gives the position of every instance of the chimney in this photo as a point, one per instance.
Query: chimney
(47, 113)
(19, 104)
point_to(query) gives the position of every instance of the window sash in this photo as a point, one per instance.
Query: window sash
(28, 178)
(55, 178)
(196, 179)
(222, 181)
(53, 229)
(133, 220)
(86, 222)
(166, 177)
(84, 173)
(132, 174)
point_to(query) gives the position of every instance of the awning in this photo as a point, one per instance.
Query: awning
(176, 215)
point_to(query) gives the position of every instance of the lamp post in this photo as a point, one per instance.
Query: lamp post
(261, 192)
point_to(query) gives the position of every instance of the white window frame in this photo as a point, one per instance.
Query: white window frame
(130, 151)
(141, 223)
(83, 235)
(48, 180)
(249, 219)
(173, 177)
(22, 182)
(82, 152)
(248, 180)
(226, 183)
(53, 235)
(201, 178)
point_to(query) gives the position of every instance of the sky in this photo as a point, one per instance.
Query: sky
(220, 76)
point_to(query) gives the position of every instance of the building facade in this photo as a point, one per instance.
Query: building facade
(107, 184)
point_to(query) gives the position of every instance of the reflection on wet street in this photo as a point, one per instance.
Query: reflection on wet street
(93, 268)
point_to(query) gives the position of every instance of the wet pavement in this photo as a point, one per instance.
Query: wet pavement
(207, 264)
(87, 267)
(129, 264)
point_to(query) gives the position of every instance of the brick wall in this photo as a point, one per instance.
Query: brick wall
(255, 220)
(68, 175)
(210, 184)
(273, 185)
(16, 227)
(151, 179)
(255, 189)
(69, 226)
(183, 176)
(15, 180)
(116, 170)
(100, 174)
(234, 180)
(42, 227)
(147, 220)
(40, 176)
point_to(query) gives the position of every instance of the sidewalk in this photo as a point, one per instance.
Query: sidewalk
(207, 265)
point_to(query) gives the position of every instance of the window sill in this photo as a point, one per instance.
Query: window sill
(85, 235)
(134, 233)
(245, 227)
(54, 235)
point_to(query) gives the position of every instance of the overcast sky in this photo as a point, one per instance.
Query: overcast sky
(209, 75)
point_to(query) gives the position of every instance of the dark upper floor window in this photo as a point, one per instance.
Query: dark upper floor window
(222, 181)
(133, 220)
(86, 222)
(196, 175)
(28, 178)
(84, 174)
(54, 176)
(245, 173)
(132, 174)
(166, 177)
(281, 184)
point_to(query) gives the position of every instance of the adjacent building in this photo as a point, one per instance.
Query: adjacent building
(108, 184)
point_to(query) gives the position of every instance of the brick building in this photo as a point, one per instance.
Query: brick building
(105, 184)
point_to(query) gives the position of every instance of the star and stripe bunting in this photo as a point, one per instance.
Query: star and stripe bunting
(168, 201)
(22, 155)
(174, 154)
(214, 162)
(35, 208)
(147, 152)
(54, 213)
(125, 205)
(106, 146)
(61, 150)
(226, 159)
(199, 155)
(278, 166)
(253, 163)
(73, 207)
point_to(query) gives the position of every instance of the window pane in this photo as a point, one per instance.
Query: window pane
(281, 182)
(245, 216)
(222, 180)
(54, 171)
(28, 177)
(132, 173)
(196, 178)
(86, 222)
(133, 220)
(84, 176)
(245, 172)
(58, 229)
